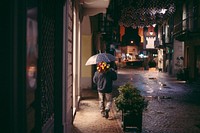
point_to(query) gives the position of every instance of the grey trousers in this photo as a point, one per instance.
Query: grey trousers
(105, 101)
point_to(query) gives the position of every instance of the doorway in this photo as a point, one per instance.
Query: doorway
(197, 64)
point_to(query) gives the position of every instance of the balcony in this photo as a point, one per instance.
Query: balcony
(188, 28)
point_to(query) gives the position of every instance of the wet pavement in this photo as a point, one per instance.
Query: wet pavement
(174, 106)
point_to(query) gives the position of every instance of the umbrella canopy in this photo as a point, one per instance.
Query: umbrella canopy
(95, 59)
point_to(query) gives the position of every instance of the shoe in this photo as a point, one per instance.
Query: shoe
(106, 114)
(103, 114)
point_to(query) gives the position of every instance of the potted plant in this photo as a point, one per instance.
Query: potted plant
(132, 104)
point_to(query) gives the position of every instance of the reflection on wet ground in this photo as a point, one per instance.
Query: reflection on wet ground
(173, 105)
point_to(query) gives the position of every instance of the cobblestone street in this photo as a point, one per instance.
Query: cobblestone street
(174, 106)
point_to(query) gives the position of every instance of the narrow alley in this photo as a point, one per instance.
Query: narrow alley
(174, 106)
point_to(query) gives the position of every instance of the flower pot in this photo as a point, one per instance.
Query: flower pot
(132, 120)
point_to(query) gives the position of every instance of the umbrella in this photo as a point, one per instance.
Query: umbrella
(95, 59)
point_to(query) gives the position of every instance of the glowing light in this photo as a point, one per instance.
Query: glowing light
(163, 11)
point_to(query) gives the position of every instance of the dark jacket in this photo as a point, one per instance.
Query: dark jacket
(105, 80)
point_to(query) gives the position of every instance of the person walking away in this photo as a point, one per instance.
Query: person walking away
(103, 78)
(113, 65)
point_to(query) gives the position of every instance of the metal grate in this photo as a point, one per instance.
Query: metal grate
(47, 63)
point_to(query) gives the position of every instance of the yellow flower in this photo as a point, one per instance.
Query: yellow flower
(102, 67)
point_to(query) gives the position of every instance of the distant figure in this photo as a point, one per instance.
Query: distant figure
(104, 77)
(167, 64)
(152, 63)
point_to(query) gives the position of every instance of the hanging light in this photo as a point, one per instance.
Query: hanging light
(163, 11)
(151, 30)
(154, 25)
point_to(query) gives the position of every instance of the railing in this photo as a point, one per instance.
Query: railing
(190, 24)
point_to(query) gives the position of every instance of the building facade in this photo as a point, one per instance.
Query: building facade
(41, 86)
(46, 46)
(186, 34)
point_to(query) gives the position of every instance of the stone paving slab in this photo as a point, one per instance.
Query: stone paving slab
(89, 120)
(174, 106)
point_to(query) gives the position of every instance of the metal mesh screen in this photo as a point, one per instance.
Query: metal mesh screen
(47, 63)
